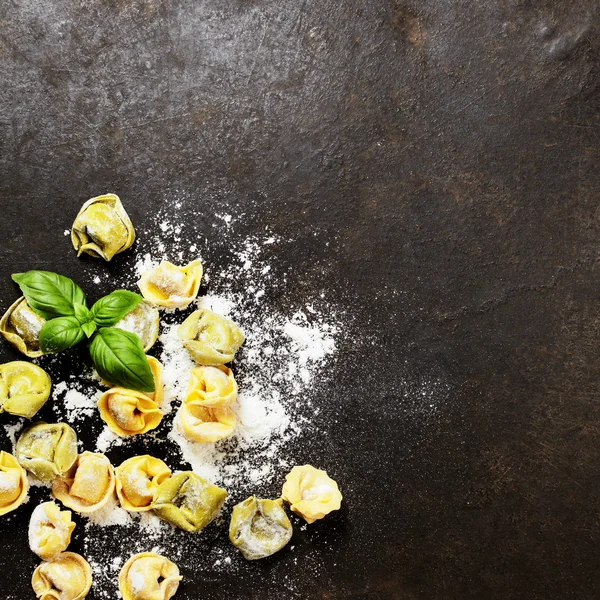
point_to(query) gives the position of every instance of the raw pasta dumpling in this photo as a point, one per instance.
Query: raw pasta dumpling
(138, 479)
(47, 450)
(88, 485)
(312, 494)
(188, 501)
(50, 530)
(211, 386)
(13, 483)
(148, 576)
(259, 528)
(210, 338)
(24, 388)
(144, 321)
(205, 425)
(21, 326)
(102, 228)
(67, 577)
(129, 412)
(171, 286)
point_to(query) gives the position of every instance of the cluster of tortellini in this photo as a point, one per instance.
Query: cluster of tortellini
(64, 575)
(259, 528)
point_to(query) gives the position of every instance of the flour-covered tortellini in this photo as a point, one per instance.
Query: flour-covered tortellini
(312, 494)
(144, 321)
(13, 483)
(188, 501)
(88, 485)
(204, 424)
(210, 338)
(129, 412)
(259, 528)
(171, 286)
(138, 479)
(102, 228)
(148, 576)
(24, 388)
(50, 530)
(47, 450)
(66, 577)
(211, 386)
(21, 326)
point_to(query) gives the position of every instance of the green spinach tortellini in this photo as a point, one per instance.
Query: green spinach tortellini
(259, 528)
(21, 326)
(102, 228)
(210, 338)
(48, 450)
(188, 501)
(24, 388)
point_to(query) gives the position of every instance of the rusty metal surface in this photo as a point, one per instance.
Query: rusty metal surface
(439, 162)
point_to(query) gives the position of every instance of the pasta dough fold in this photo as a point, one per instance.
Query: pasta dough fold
(137, 479)
(21, 326)
(149, 576)
(171, 286)
(24, 388)
(50, 530)
(13, 483)
(67, 577)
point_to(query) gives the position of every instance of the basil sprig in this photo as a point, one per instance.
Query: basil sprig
(118, 355)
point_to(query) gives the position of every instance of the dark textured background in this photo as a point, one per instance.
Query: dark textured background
(448, 152)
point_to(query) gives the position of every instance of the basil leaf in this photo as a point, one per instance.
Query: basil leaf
(82, 313)
(112, 308)
(50, 295)
(119, 359)
(59, 334)
(89, 328)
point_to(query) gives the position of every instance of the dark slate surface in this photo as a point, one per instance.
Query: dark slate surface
(446, 155)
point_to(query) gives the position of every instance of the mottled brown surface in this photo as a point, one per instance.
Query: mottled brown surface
(446, 155)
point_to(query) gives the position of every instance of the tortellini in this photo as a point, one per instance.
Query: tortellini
(211, 386)
(47, 450)
(67, 577)
(88, 485)
(13, 483)
(144, 321)
(188, 501)
(50, 530)
(210, 338)
(21, 326)
(148, 576)
(259, 528)
(24, 388)
(137, 480)
(171, 286)
(102, 228)
(312, 494)
(129, 412)
(204, 424)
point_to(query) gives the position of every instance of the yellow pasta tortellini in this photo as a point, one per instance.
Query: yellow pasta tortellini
(144, 321)
(47, 450)
(312, 494)
(21, 326)
(67, 577)
(211, 386)
(171, 286)
(24, 388)
(137, 480)
(102, 228)
(148, 576)
(88, 485)
(50, 530)
(210, 338)
(129, 412)
(259, 528)
(13, 483)
(188, 501)
(204, 424)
